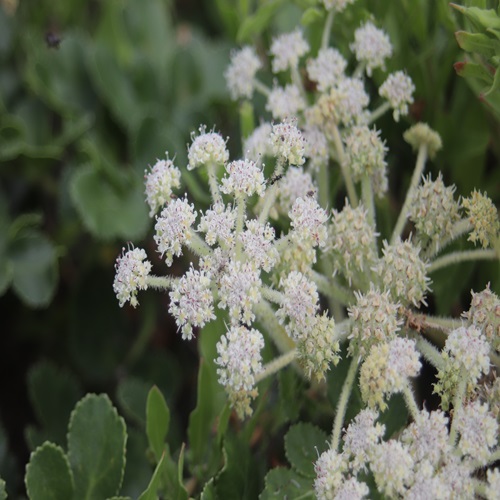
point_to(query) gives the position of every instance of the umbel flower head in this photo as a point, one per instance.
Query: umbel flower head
(241, 72)
(483, 217)
(132, 270)
(287, 49)
(398, 89)
(160, 182)
(207, 148)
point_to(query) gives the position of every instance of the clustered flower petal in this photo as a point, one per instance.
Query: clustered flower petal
(132, 270)
(365, 156)
(173, 228)
(398, 89)
(308, 220)
(329, 468)
(421, 134)
(241, 72)
(240, 291)
(257, 241)
(239, 362)
(371, 46)
(483, 216)
(257, 144)
(218, 224)
(285, 102)
(403, 273)
(159, 181)
(484, 313)
(287, 49)
(434, 211)
(295, 184)
(191, 302)
(207, 148)
(244, 178)
(350, 240)
(478, 431)
(300, 304)
(288, 143)
(375, 320)
(327, 69)
(386, 370)
(337, 5)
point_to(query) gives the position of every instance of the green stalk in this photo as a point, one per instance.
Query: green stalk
(325, 37)
(276, 364)
(349, 184)
(267, 317)
(342, 404)
(457, 257)
(212, 181)
(410, 401)
(380, 111)
(415, 180)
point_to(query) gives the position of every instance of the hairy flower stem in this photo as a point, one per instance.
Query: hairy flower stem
(430, 353)
(415, 180)
(459, 228)
(297, 80)
(267, 317)
(358, 72)
(457, 257)
(457, 406)
(325, 37)
(198, 245)
(369, 203)
(410, 401)
(240, 217)
(342, 404)
(380, 111)
(323, 179)
(270, 195)
(213, 183)
(263, 89)
(276, 364)
(331, 289)
(160, 282)
(349, 184)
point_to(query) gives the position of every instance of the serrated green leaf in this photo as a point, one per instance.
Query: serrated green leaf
(304, 442)
(34, 268)
(286, 483)
(109, 210)
(312, 15)
(482, 19)
(53, 393)
(48, 474)
(209, 492)
(478, 43)
(132, 395)
(254, 25)
(96, 447)
(157, 421)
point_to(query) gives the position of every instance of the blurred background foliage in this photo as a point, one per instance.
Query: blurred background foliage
(81, 117)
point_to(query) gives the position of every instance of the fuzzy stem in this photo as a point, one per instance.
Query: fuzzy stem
(323, 179)
(262, 88)
(457, 257)
(369, 203)
(276, 364)
(325, 38)
(272, 295)
(331, 289)
(430, 353)
(459, 228)
(349, 184)
(377, 113)
(415, 180)
(342, 404)
(297, 81)
(411, 404)
(457, 406)
(240, 216)
(282, 243)
(358, 72)
(160, 282)
(214, 185)
(198, 245)
(267, 316)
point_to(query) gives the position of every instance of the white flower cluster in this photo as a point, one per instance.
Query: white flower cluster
(241, 72)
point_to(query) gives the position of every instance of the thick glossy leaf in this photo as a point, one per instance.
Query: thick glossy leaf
(482, 19)
(132, 395)
(48, 475)
(469, 69)
(157, 421)
(286, 483)
(34, 268)
(108, 208)
(138, 468)
(476, 42)
(303, 443)
(96, 447)
(53, 393)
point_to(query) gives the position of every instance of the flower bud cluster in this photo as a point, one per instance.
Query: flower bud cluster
(434, 211)
(398, 89)
(241, 72)
(160, 181)
(484, 313)
(483, 217)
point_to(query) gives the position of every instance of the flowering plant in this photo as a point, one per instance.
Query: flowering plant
(308, 279)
